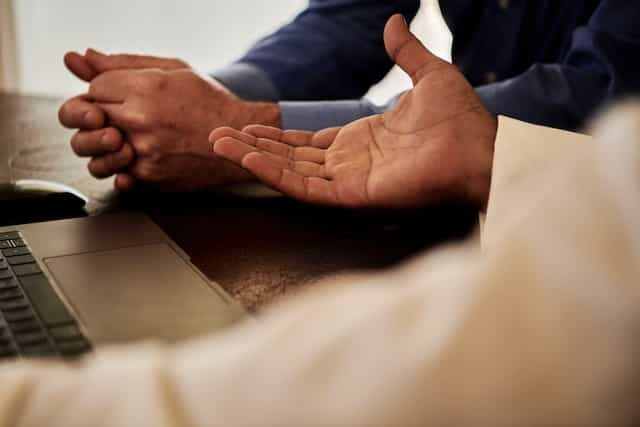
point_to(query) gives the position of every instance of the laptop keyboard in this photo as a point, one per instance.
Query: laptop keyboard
(33, 320)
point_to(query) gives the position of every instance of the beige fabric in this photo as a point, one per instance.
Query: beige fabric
(516, 164)
(541, 329)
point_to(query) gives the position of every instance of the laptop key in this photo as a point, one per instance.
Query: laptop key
(17, 316)
(15, 251)
(22, 259)
(3, 264)
(28, 325)
(5, 341)
(8, 235)
(45, 300)
(5, 244)
(18, 243)
(7, 351)
(5, 274)
(73, 348)
(28, 338)
(26, 269)
(13, 305)
(38, 350)
(8, 283)
(10, 293)
(65, 333)
(4, 336)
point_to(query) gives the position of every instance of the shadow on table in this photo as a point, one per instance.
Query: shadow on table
(261, 248)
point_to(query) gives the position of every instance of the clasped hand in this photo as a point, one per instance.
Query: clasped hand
(147, 119)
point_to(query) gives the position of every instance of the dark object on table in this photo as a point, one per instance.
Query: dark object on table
(25, 202)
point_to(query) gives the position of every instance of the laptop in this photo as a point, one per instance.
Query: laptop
(70, 286)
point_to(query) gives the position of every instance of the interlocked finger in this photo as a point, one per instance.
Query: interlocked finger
(109, 164)
(92, 143)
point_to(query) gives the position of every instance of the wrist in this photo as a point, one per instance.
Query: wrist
(262, 113)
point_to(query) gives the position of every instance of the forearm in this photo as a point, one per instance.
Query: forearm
(451, 339)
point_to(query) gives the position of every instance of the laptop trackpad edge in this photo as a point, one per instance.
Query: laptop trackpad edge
(136, 293)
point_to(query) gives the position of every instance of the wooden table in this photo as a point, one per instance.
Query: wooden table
(257, 248)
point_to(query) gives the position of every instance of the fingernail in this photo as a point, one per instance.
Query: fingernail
(105, 140)
(88, 118)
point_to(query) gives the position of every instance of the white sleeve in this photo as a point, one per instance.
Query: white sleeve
(538, 331)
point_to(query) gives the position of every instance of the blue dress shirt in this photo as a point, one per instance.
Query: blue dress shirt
(549, 62)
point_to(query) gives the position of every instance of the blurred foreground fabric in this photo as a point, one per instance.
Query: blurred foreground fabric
(541, 327)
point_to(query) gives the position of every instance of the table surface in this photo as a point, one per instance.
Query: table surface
(257, 248)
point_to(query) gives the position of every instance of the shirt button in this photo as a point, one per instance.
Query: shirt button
(491, 77)
(504, 4)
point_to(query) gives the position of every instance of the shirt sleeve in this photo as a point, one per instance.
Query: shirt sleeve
(316, 115)
(250, 82)
(333, 50)
(601, 65)
(528, 152)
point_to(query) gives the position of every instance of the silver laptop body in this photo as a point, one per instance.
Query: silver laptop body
(119, 276)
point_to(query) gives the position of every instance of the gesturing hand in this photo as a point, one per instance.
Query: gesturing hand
(147, 119)
(435, 145)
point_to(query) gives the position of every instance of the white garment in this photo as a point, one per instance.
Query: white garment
(540, 329)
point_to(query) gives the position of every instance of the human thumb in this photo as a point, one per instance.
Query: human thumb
(78, 65)
(406, 50)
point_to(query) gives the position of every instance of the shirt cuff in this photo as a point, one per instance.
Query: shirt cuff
(248, 82)
(313, 116)
(522, 152)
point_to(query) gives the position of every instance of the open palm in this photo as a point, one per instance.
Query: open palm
(436, 144)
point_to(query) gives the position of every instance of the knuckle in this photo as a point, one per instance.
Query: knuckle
(146, 119)
(126, 154)
(152, 81)
(142, 171)
(127, 148)
(111, 138)
(144, 148)
(142, 120)
(178, 63)
(145, 171)
(94, 86)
